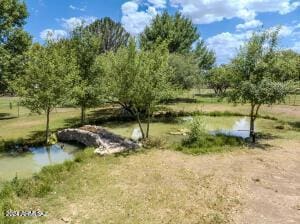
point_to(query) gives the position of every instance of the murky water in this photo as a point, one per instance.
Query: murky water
(24, 165)
(240, 129)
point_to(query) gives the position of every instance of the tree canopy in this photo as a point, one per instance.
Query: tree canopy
(14, 41)
(206, 58)
(111, 33)
(177, 31)
(219, 79)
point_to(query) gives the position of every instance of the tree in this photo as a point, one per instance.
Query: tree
(177, 31)
(111, 33)
(254, 81)
(219, 79)
(287, 66)
(51, 73)
(185, 70)
(136, 80)
(206, 58)
(14, 41)
(86, 47)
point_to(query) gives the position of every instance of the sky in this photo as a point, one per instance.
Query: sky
(224, 24)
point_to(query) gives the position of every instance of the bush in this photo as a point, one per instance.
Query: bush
(197, 131)
(200, 141)
(153, 143)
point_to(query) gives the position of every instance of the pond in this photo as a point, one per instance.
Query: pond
(24, 165)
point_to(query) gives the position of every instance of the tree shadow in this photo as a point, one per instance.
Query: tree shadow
(130, 152)
(259, 137)
(179, 100)
(295, 125)
(212, 95)
(6, 116)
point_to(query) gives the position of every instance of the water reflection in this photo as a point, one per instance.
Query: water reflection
(239, 129)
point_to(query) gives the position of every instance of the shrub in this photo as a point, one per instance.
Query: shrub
(200, 141)
(153, 143)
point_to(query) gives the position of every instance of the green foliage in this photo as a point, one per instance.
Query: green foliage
(14, 41)
(197, 130)
(185, 70)
(112, 34)
(177, 31)
(206, 58)
(136, 80)
(50, 76)
(219, 79)
(199, 141)
(86, 46)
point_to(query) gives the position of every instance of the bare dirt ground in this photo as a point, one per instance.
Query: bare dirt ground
(253, 186)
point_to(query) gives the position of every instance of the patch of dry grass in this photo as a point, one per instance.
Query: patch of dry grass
(153, 187)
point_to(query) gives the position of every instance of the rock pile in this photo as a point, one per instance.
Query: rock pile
(95, 136)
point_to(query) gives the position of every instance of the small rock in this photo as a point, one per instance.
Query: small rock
(256, 179)
(66, 219)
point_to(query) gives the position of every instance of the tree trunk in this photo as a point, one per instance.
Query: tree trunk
(148, 123)
(47, 125)
(140, 124)
(82, 114)
(252, 119)
(252, 132)
(136, 112)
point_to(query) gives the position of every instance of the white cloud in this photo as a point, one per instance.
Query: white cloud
(158, 3)
(249, 25)
(49, 34)
(133, 20)
(227, 44)
(82, 9)
(208, 11)
(73, 22)
(296, 46)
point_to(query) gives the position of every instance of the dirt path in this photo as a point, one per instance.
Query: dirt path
(243, 187)
(272, 186)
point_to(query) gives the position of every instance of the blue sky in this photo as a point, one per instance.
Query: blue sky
(224, 24)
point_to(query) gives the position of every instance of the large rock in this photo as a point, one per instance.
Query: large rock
(95, 136)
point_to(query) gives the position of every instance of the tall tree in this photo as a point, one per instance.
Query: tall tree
(136, 80)
(177, 31)
(14, 41)
(206, 58)
(186, 70)
(111, 33)
(86, 47)
(254, 82)
(50, 74)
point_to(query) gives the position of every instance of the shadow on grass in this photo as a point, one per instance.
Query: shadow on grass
(6, 116)
(295, 125)
(212, 95)
(179, 100)
(131, 152)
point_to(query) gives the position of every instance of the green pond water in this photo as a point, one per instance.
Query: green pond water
(24, 165)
